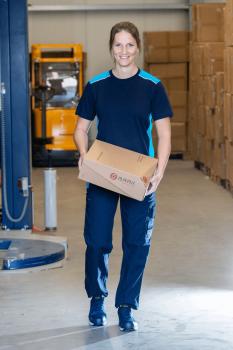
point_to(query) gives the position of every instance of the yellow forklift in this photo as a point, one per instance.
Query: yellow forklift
(57, 85)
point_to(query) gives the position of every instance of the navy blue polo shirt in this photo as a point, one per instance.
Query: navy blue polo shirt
(125, 109)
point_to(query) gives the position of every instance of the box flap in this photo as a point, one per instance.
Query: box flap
(122, 159)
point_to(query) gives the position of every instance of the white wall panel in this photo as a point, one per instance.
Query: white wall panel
(92, 29)
(57, 28)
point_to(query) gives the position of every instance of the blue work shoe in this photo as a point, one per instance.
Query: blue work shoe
(126, 321)
(97, 315)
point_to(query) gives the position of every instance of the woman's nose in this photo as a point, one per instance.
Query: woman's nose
(124, 49)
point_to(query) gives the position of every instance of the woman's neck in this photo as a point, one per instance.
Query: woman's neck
(124, 72)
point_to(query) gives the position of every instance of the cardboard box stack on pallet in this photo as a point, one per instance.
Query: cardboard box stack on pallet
(228, 93)
(166, 56)
(206, 127)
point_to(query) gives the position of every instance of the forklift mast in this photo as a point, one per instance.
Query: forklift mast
(57, 85)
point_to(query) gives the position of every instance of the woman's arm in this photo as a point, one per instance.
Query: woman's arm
(81, 137)
(163, 127)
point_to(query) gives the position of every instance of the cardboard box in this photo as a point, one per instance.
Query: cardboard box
(197, 61)
(219, 163)
(209, 153)
(208, 22)
(229, 162)
(210, 132)
(118, 169)
(210, 96)
(207, 59)
(179, 102)
(163, 47)
(228, 13)
(201, 120)
(199, 148)
(178, 136)
(220, 89)
(219, 125)
(173, 75)
(228, 116)
(228, 69)
(213, 57)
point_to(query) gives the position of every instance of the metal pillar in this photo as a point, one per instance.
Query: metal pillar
(15, 121)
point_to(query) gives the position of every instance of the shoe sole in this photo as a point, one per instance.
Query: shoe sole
(97, 325)
(128, 330)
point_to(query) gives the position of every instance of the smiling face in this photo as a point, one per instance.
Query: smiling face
(124, 49)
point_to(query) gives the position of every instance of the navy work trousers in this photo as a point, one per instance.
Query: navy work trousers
(137, 225)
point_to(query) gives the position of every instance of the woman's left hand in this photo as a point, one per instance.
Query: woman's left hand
(154, 182)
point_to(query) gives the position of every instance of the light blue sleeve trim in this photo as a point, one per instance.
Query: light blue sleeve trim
(148, 76)
(149, 133)
(99, 77)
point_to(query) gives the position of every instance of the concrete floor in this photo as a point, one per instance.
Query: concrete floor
(187, 294)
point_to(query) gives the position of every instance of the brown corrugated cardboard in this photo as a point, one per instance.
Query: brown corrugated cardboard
(208, 22)
(179, 104)
(210, 132)
(220, 76)
(219, 125)
(229, 162)
(219, 110)
(209, 153)
(166, 46)
(197, 61)
(199, 148)
(173, 75)
(178, 132)
(230, 120)
(219, 163)
(228, 69)
(207, 59)
(228, 116)
(209, 92)
(201, 93)
(213, 56)
(229, 23)
(118, 169)
(178, 137)
(201, 120)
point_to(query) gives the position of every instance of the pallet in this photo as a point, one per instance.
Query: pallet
(180, 155)
(201, 166)
(177, 156)
(216, 179)
(228, 186)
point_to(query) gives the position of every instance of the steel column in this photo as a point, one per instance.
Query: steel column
(15, 109)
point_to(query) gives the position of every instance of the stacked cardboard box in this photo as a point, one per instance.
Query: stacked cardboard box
(166, 56)
(228, 23)
(206, 132)
(208, 22)
(228, 93)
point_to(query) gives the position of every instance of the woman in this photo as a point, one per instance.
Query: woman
(126, 101)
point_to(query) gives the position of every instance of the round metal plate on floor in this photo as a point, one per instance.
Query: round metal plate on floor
(28, 253)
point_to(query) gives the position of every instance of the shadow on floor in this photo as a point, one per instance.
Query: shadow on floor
(60, 339)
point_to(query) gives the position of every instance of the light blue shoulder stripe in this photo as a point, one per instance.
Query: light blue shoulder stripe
(148, 76)
(99, 77)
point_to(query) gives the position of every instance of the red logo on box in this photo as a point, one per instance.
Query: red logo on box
(113, 176)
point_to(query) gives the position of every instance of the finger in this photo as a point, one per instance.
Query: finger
(150, 190)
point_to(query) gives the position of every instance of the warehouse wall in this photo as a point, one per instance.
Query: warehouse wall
(91, 28)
